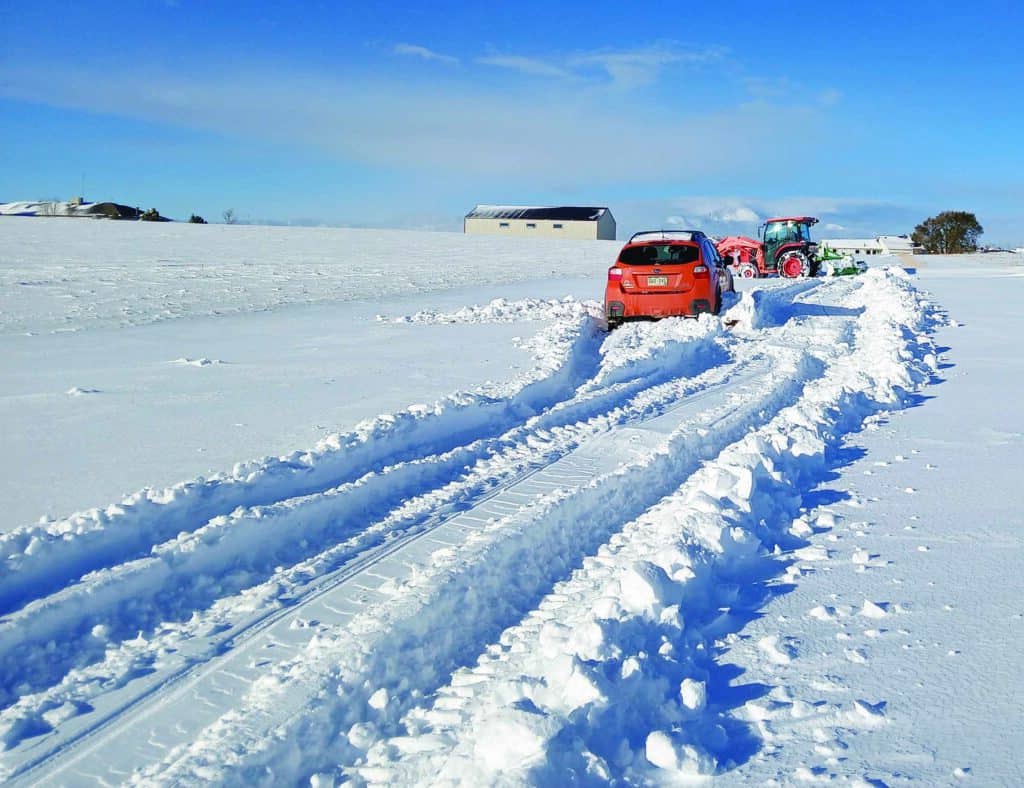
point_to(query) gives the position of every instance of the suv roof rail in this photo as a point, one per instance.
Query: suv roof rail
(666, 235)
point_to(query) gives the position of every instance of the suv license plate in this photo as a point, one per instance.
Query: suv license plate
(653, 281)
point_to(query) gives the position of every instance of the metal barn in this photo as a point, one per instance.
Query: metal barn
(562, 222)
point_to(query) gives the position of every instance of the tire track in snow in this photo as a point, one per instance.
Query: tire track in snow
(133, 598)
(612, 677)
(40, 559)
(650, 404)
(593, 400)
(328, 690)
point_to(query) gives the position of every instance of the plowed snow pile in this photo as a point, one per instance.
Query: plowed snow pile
(641, 557)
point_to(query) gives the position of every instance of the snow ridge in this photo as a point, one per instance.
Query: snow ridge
(502, 310)
(523, 585)
(493, 579)
(90, 618)
(42, 557)
(612, 677)
(257, 539)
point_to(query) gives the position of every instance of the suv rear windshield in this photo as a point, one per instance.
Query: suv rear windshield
(659, 254)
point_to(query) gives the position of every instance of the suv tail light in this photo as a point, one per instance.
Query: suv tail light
(615, 276)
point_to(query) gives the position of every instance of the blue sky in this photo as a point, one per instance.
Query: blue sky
(869, 115)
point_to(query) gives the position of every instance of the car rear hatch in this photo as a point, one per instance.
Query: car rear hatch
(659, 268)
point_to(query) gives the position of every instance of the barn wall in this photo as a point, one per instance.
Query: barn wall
(543, 228)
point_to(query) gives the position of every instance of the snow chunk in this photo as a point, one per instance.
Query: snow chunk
(361, 735)
(645, 588)
(198, 362)
(873, 610)
(868, 714)
(812, 553)
(78, 391)
(379, 699)
(100, 631)
(694, 694)
(587, 642)
(684, 759)
(511, 740)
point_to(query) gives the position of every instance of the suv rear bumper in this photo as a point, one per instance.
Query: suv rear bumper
(621, 306)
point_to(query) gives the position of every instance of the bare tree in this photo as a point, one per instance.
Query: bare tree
(229, 216)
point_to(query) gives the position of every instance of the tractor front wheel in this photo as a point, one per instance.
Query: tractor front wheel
(794, 265)
(747, 271)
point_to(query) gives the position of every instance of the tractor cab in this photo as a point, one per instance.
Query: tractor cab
(788, 247)
(786, 230)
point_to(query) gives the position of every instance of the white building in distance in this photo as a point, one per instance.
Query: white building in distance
(563, 222)
(883, 244)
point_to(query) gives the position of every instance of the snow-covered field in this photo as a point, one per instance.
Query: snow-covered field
(486, 541)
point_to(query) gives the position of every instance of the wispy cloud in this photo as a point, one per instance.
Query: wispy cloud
(631, 68)
(414, 50)
(621, 68)
(526, 65)
(543, 137)
(781, 88)
(530, 134)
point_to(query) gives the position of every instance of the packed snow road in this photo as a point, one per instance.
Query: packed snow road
(525, 585)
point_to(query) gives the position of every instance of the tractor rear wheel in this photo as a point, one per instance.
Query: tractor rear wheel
(747, 271)
(794, 265)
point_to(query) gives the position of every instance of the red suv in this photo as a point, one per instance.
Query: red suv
(660, 273)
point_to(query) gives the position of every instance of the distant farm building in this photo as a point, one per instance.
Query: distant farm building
(883, 244)
(564, 222)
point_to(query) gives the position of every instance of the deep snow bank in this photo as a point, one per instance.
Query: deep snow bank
(612, 678)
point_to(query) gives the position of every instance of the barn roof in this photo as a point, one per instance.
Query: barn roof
(568, 213)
